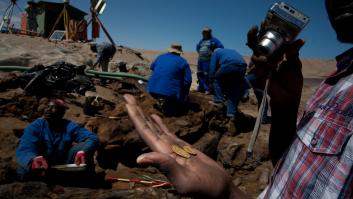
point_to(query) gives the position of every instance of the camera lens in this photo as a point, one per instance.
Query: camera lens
(270, 42)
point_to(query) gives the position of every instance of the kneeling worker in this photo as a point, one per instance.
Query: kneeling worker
(171, 80)
(50, 141)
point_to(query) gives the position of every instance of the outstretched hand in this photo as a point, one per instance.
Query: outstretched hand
(195, 175)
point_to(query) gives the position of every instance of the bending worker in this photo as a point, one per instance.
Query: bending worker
(227, 71)
(105, 52)
(50, 141)
(171, 80)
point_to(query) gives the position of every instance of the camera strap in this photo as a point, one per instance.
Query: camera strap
(259, 117)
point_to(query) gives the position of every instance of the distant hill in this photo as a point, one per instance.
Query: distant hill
(312, 68)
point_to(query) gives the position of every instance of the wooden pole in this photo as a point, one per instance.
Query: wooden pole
(56, 22)
(105, 31)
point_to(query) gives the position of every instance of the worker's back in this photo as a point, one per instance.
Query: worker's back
(171, 75)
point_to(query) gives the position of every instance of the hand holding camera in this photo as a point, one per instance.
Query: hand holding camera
(281, 26)
(274, 41)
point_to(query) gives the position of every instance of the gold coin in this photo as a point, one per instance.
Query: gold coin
(190, 150)
(179, 151)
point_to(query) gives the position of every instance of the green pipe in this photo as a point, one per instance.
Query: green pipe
(104, 76)
(14, 68)
(90, 73)
(118, 74)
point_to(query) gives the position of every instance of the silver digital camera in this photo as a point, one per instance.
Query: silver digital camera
(282, 25)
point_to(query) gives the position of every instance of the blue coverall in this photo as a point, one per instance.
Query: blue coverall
(56, 148)
(203, 48)
(171, 79)
(227, 71)
(105, 51)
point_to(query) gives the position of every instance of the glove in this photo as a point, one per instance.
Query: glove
(80, 158)
(39, 165)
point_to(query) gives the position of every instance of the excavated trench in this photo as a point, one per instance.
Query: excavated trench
(203, 125)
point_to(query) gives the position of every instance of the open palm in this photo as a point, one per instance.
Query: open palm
(198, 174)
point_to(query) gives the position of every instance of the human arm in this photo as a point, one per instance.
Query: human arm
(88, 140)
(28, 155)
(27, 149)
(198, 46)
(217, 43)
(213, 67)
(102, 52)
(198, 175)
(285, 88)
(153, 65)
(185, 89)
(112, 51)
(187, 75)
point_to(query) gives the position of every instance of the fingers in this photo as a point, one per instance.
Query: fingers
(293, 49)
(160, 123)
(165, 131)
(44, 164)
(80, 158)
(154, 126)
(259, 59)
(293, 62)
(252, 39)
(142, 127)
(164, 162)
(130, 99)
(39, 166)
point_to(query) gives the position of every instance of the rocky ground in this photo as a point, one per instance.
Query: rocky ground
(204, 126)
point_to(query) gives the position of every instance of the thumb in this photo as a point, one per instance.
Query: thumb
(163, 162)
(45, 164)
(252, 39)
(293, 50)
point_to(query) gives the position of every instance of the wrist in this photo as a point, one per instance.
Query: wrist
(284, 110)
(80, 152)
(235, 192)
(37, 157)
(232, 191)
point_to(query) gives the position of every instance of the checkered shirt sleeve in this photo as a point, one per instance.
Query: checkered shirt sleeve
(319, 163)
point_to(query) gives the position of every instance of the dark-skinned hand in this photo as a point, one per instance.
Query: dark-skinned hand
(287, 80)
(195, 175)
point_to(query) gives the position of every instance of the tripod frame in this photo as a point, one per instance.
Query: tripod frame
(6, 18)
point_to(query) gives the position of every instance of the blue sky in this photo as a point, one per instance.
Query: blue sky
(154, 24)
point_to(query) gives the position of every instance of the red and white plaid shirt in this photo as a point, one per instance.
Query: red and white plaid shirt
(319, 163)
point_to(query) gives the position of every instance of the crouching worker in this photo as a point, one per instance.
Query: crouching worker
(170, 82)
(51, 141)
